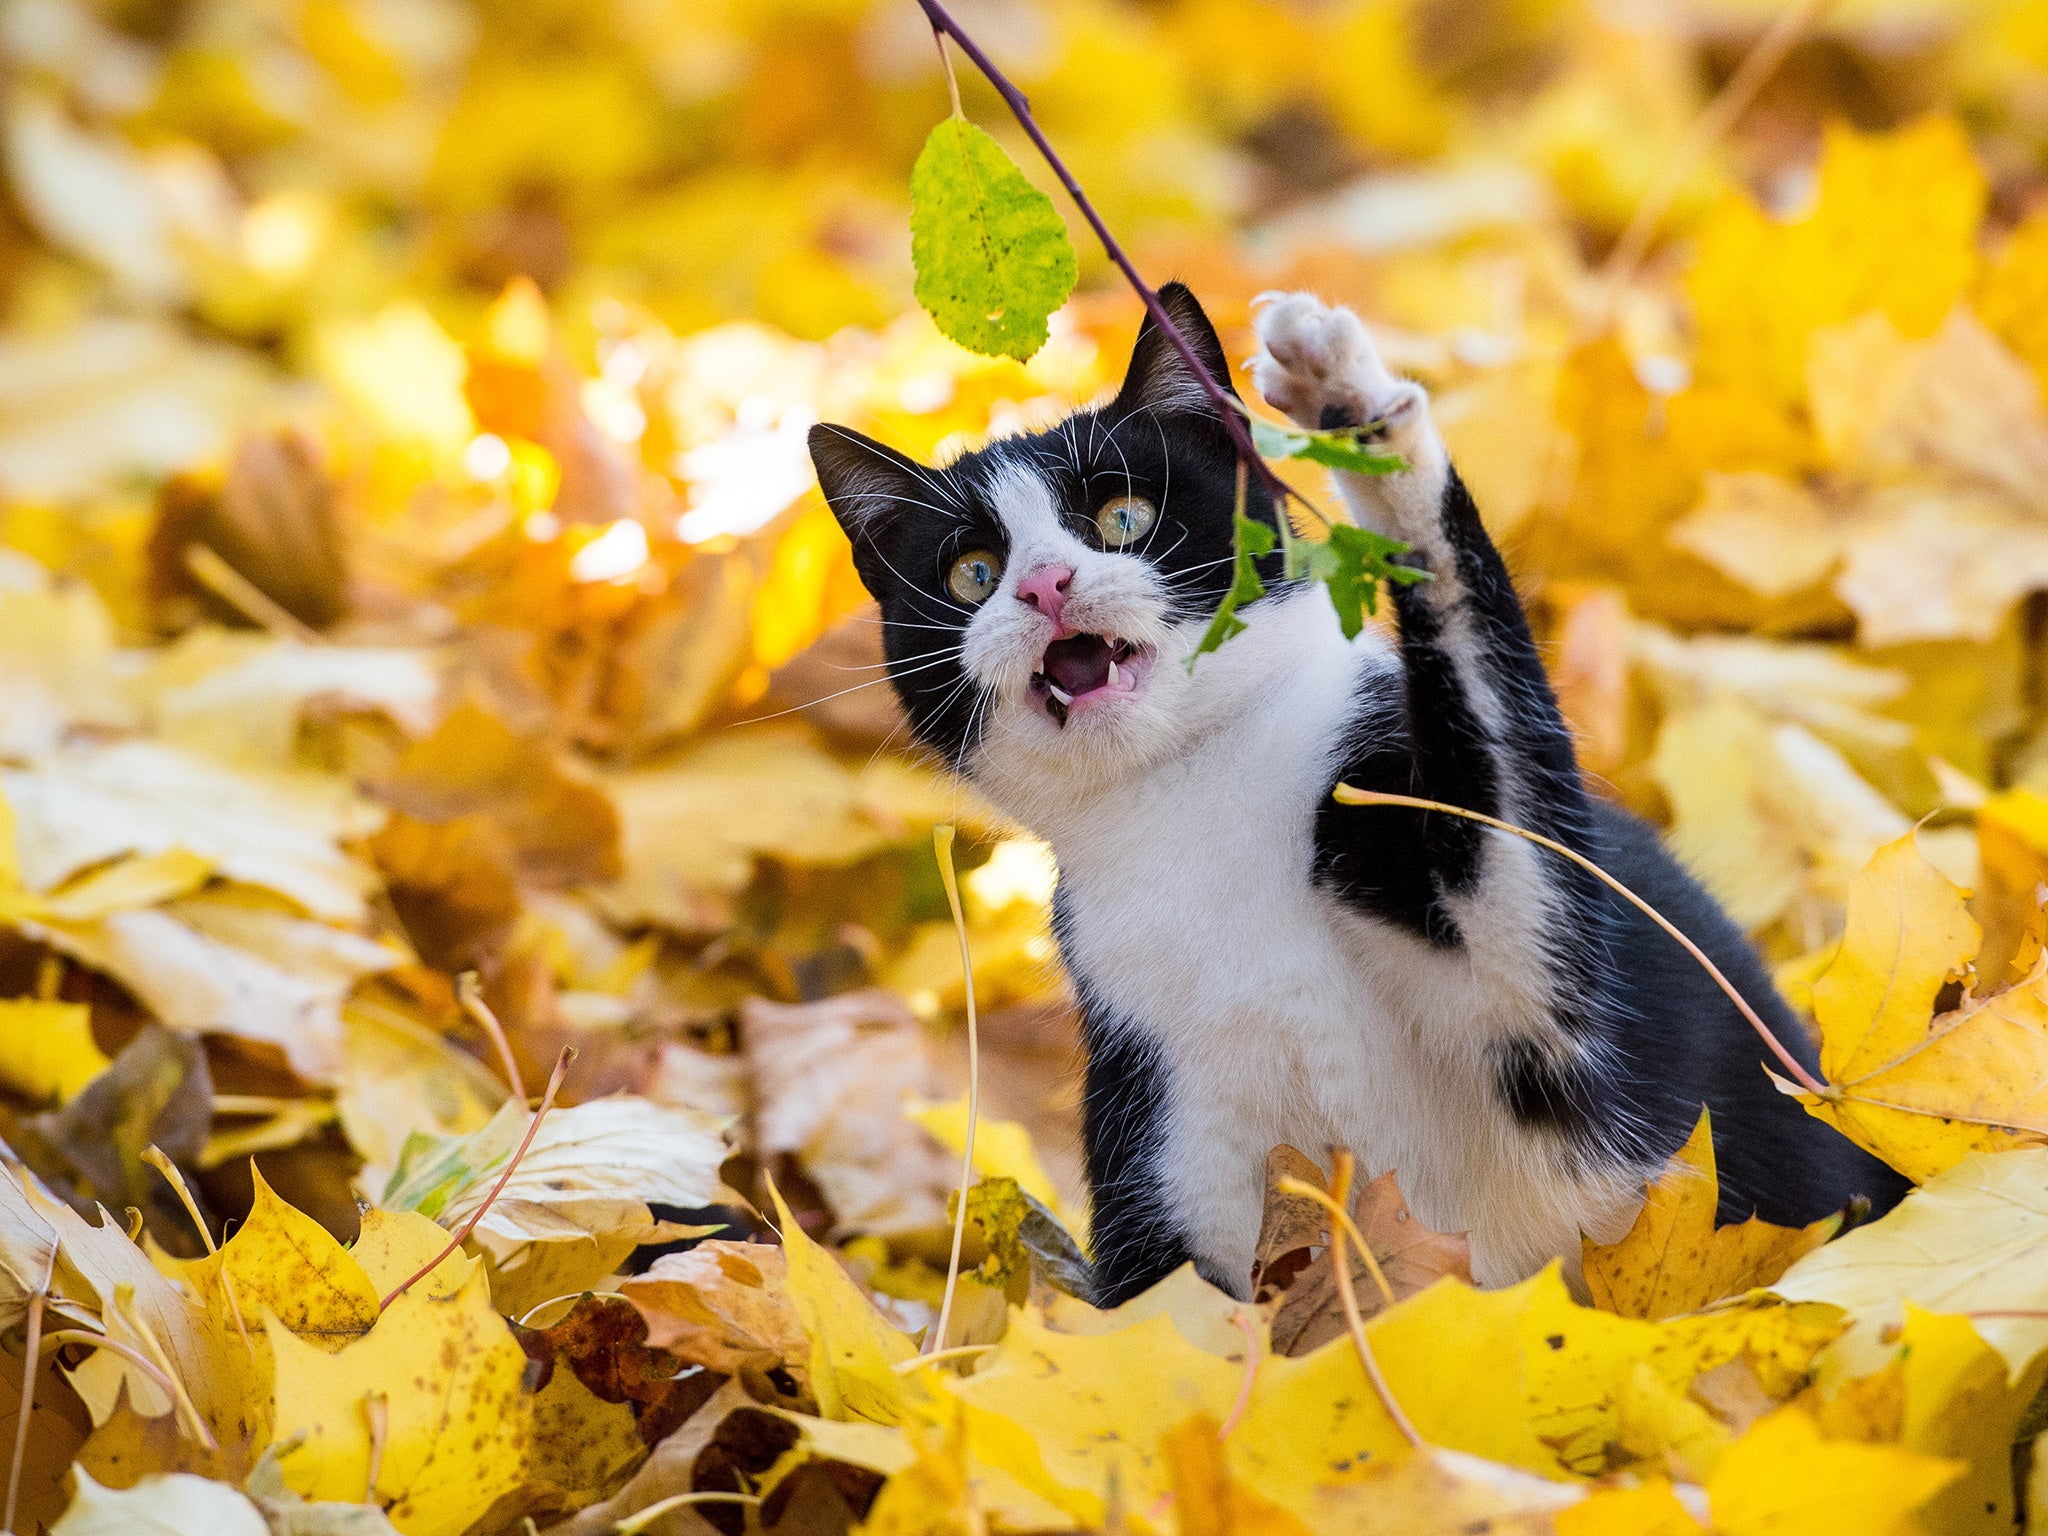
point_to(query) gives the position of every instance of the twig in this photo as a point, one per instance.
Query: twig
(942, 845)
(547, 1102)
(942, 22)
(1729, 103)
(31, 1350)
(957, 1352)
(1347, 795)
(472, 999)
(1340, 1192)
(154, 1156)
(180, 1394)
(150, 1368)
(245, 597)
(1337, 1212)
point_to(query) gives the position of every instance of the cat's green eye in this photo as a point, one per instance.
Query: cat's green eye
(974, 576)
(1124, 519)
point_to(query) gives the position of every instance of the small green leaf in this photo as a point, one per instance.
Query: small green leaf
(992, 255)
(1353, 563)
(1337, 448)
(1252, 540)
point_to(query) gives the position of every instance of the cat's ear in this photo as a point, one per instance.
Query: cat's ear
(1159, 378)
(867, 486)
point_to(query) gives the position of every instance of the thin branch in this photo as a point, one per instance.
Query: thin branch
(245, 597)
(1227, 408)
(155, 1157)
(547, 1102)
(942, 846)
(1340, 1193)
(1254, 1357)
(1347, 795)
(1706, 131)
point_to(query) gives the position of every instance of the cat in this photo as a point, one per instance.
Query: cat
(1255, 963)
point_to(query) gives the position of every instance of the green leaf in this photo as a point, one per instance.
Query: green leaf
(992, 255)
(1251, 541)
(1338, 448)
(1353, 563)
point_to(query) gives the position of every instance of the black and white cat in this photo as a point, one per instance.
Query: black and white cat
(1254, 962)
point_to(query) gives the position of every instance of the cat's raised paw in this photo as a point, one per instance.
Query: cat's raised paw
(1319, 365)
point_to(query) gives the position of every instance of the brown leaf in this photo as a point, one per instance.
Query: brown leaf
(722, 1305)
(604, 1341)
(273, 519)
(1294, 1265)
(453, 884)
(562, 830)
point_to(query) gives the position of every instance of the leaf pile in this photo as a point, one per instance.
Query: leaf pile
(409, 568)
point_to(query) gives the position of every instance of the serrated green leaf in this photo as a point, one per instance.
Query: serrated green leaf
(1355, 562)
(1250, 540)
(992, 255)
(1337, 448)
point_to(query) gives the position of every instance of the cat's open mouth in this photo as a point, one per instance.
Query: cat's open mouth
(1077, 671)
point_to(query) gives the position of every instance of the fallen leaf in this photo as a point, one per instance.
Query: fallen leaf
(1968, 1240)
(1782, 1476)
(854, 1352)
(1675, 1259)
(47, 1051)
(1922, 1088)
(177, 1505)
(451, 1378)
(722, 1305)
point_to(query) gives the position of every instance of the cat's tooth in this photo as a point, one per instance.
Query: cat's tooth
(1112, 672)
(1059, 693)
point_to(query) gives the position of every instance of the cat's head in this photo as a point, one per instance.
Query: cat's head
(1040, 595)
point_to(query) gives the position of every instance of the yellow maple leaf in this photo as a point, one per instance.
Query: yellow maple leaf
(1893, 228)
(282, 1261)
(1783, 1477)
(853, 1350)
(456, 1413)
(1674, 1259)
(1919, 1088)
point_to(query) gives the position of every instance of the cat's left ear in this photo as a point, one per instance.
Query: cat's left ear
(1159, 378)
(867, 485)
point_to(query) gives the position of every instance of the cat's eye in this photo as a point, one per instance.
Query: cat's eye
(974, 576)
(1124, 519)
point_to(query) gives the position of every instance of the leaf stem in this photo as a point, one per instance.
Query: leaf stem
(470, 995)
(156, 1158)
(1348, 795)
(1340, 1196)
(942, 846)
(1338, 1213)
(942, 22)
(547, 1102)
(31, 1351)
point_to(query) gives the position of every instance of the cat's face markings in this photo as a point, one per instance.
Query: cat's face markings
(1038, 595)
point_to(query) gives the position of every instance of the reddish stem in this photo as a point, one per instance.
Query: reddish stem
(1226, 407)
(547, 1102)
(31, 1350)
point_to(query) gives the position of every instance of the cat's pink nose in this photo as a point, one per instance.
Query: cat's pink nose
(1046, 589)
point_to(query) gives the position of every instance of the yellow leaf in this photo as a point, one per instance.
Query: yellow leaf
(852, 1349)
(46, 1048)
(1206, 1499)
(1435, 1492)
(457, 1415)
(1782, 1478)
(1675, 1259)
(1002, 1148)
(1059, 1411)
(282, 1261)
(1959, 1403)
(2012, 297)
(393, 1245)
(1893, 228)
(177, 1505)
(1649, 1509)
(1917, 1088)
(933, 1495)
(1973, 1239)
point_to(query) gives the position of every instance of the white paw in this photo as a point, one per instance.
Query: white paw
(1319, 365)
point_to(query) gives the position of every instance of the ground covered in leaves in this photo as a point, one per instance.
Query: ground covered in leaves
(422, 651)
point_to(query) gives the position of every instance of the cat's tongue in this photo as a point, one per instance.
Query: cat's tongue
(1078, 664)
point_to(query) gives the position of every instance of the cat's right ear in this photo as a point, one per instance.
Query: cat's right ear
(867, 486)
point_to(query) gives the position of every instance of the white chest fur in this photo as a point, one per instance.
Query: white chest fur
(1280, 1014)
